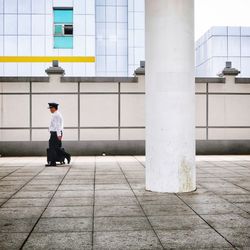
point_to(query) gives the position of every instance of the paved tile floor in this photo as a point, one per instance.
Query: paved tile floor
(100, 203)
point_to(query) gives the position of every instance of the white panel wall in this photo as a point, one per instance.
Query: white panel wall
(99, 111)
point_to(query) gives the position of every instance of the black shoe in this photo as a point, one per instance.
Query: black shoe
(68, 159)
(50, 165)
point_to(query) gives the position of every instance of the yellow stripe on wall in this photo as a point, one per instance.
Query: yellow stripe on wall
(39, 59)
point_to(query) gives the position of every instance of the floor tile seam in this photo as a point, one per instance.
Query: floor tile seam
(207, 222)
(248, 190)
(93, 206)
(152, 228)
(248, 212)
(221, 197)
(64, 231)
(43, 211)
(22, 187)
(66, 217)
(12, 172)
(78, 231)
(241, 165)
(224, 168)
(126, 230)
(139, 161)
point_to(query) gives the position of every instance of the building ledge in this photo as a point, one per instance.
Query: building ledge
(24, 79)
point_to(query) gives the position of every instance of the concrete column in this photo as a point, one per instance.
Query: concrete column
(170, 96)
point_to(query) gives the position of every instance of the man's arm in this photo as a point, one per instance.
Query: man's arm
(59, 127)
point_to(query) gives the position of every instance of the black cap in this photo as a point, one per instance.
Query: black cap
(53, 105)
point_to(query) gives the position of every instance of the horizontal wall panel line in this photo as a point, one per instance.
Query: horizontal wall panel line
(10, 93)
(124, 127)
(73, 93)
(34, 128)
(100, 79)
(227, 93)
(24, 79)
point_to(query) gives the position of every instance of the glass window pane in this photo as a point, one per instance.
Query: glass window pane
(110, 14)
(111, 30)
(24, 6)
(100, 14)
(100, 2)
(90, 7)
(111, 2)
(90, 25)
(90, 46)
(122, 62)
(100, 47)
(10, 24)
(24, 45)
(24, 24)
(38, 46)
(245, 46)
(122, 2)
(1, 6)
(38, 24)
(233, 46)
(10, 6)
(122, 31)
(63, 16)
(79, 25)
(122, 14)
(111, 47)
(10, 45)
(245, 69)
(219, 31)
(65, 42)
(38, 7)
(79, 7)
(1, 24)
(234, 31)
(100, 30)
(139, 20)
(58, 29)
(245, 31)
(100, 64)
(68, 29)
(219, 45)
(139, 38)
(122, 47)
(79, 46)
(111, 62)
(139, 5)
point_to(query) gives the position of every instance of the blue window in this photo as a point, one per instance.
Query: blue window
(63, 28)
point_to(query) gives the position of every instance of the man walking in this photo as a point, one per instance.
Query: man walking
(55, 151)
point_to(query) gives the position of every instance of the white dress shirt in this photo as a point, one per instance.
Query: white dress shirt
(56, 124)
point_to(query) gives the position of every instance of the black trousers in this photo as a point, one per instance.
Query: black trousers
(55, 149)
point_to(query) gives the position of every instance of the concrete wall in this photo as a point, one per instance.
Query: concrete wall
(106, 115)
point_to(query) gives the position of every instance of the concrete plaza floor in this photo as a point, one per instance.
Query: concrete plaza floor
(100, 203)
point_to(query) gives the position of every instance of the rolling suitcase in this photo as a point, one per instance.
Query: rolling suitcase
(59, 156)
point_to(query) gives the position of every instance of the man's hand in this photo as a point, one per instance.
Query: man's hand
(59, 138)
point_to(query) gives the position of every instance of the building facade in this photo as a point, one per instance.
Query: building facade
(221, 44)
(110, 30)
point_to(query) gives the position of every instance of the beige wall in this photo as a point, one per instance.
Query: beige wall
(115, 110)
